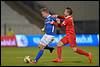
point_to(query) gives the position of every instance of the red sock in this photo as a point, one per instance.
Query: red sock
(80, 51)
(59, 50)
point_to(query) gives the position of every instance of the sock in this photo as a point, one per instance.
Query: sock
(49, 48)
(59, 51)
(80, 51)
(40, 53)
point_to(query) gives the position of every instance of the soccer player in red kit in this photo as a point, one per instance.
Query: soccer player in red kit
(70, 36)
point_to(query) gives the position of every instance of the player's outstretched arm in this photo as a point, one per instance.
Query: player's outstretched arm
(58, 16)
(56, 24)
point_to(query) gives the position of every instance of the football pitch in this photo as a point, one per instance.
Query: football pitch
(13, 56)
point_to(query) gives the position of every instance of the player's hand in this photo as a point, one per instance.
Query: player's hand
(43, 30)
(58, 21)
(51, 22)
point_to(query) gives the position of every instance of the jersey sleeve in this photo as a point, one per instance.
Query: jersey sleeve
(63, 23)
(61, 17)
(51, 20)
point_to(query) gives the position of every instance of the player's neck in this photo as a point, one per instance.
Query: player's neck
(68, 16)
(48, 15)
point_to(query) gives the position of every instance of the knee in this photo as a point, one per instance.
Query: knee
(74, 49)
(41, 47)
(60, 44)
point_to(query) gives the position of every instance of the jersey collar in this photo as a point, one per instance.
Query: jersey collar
(48, 16)
(68, 17)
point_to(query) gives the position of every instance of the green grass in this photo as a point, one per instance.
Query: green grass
(12, 56)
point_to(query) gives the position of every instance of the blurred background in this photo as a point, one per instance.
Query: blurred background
(24, 17)
(21, 24)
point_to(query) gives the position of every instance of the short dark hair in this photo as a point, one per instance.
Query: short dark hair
(69, 10)
(44, 10)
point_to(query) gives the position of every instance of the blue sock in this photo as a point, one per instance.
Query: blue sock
(40, 53)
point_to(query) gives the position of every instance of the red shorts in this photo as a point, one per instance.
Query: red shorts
(71, 39)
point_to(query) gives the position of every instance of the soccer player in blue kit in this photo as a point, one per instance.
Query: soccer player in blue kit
(48, 36)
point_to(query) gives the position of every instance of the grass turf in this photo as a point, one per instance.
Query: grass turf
(12, 56)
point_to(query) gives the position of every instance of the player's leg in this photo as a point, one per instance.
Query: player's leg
(59, 52)
(40, 53)
(41, 47)
(72, 41)
(49, 39)
(49, 48)
(82, 52)
(46, 39)
(59, 49)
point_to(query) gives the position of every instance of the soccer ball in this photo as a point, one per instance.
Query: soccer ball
(27, 59)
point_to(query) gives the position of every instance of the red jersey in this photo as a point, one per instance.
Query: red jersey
(68, 22)
(70, 32)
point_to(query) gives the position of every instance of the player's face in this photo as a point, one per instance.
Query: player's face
(44, 14)
(66, 12)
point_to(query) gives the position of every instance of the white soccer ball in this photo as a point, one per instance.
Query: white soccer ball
(27, 59)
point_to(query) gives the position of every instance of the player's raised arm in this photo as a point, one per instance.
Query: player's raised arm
(58, 22)
(61, 17)
(58, 16)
